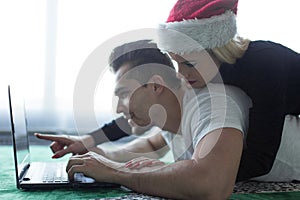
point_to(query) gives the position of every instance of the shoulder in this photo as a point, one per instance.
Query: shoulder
(260, 51)
(263, 67)
(216, 103)
(260, 45)
(220, 92)
(216, 106)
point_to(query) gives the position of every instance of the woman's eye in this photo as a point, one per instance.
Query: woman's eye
(189, 64)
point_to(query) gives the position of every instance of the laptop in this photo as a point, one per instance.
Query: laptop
(39, 175)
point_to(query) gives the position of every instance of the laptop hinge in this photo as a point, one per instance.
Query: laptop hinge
(23, 172)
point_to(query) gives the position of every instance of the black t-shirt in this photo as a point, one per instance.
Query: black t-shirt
(269, 73)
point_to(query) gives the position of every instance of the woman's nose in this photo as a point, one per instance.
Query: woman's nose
(182, 72)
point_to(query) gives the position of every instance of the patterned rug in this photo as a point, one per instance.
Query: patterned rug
(264, 187)
(248, 187)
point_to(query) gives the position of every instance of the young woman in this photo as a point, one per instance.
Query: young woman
(201, 37)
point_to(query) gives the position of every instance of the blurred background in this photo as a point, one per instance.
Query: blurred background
(43, 44)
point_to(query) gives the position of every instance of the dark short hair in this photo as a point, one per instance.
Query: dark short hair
(144, 53)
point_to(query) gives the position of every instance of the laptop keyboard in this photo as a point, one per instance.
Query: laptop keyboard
(55, 173)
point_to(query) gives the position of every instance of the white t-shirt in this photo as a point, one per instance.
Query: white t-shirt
(213, 107)
(218, 106)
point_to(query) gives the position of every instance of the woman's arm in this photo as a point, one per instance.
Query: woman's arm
(112, 131)
(153, 146)
(64, 144)
(262, 142)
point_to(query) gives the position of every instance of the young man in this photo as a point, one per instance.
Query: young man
(118, 128)
(206, 132)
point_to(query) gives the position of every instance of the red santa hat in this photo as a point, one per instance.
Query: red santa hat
(194, 25)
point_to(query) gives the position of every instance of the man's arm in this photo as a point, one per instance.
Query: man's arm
(210, 174)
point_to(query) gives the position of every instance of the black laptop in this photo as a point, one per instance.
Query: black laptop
(39, 175)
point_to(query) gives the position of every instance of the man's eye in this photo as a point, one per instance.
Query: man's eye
(123, 95)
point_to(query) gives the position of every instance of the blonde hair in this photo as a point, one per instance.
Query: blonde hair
(231, 51)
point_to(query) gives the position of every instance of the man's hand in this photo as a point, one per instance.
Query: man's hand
(93, 165)
(64, 144)
(103, 169)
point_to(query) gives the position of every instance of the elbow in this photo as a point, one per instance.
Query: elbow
(264, 171)
(212, 194)
(223, 195)
(209, 182)
(267, 167)
(259, 166)
(220, 185)
(220, 193)
(212, 187)
(267, 162)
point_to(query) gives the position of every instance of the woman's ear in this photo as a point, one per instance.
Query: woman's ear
(157, 83)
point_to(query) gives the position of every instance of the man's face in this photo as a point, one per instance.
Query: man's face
(134, 101)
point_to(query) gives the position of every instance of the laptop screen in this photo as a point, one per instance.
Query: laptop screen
(19, 131)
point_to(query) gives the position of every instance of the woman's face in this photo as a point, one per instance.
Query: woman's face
(198, 68)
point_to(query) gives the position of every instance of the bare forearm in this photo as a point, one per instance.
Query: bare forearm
(181, 180)
(152, 146)
(210, 174)
(98, 136)
(134, 149)
(88, 141)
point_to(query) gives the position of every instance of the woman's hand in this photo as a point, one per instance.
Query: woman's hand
(142, 162)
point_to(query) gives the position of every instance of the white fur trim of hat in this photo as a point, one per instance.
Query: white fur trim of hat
(197, 34)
